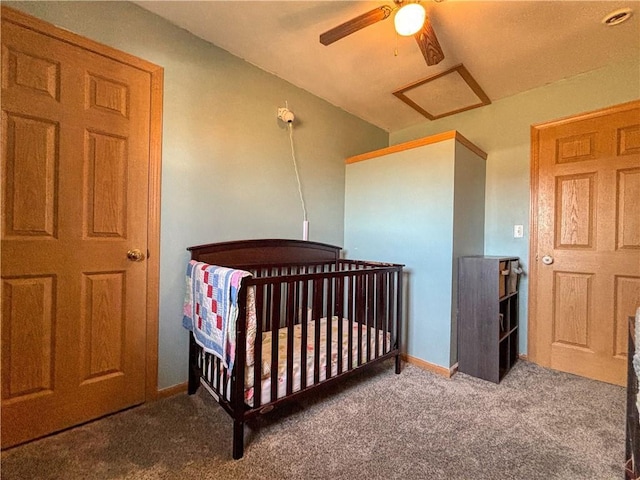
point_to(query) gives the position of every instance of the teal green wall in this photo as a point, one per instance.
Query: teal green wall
(421, 207)
(468, 222)
(227, 171)
(399, 208)
(502, 130)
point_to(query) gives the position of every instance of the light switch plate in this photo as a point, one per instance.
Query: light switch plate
(518, 231)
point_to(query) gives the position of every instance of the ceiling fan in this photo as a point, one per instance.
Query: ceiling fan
(404, 11)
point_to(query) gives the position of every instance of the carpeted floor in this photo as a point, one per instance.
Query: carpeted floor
(536, 424)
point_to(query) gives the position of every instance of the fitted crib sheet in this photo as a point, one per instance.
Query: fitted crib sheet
(265, 395)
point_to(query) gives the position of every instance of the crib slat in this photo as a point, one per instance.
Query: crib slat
(370, 295)
(257, 348)
(387, 311)
(212, 372)
(268, 307)
(317, 314)
(210, 369)
(351, 287)
(328, 304)
(291, 315)
(375, 314)
(221, 377)
(391, 313)
(360, 315)
(275, 324)
(379, 319)
(204, 359)
(304, 329)
(339, 311)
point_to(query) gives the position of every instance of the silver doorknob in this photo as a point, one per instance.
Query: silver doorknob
(135, 255)
(547, 259)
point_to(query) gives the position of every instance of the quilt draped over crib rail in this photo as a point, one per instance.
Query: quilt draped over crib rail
(211, 308)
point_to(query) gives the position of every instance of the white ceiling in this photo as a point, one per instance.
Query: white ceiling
(508, 46)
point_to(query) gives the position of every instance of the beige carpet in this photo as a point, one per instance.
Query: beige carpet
(536, 424)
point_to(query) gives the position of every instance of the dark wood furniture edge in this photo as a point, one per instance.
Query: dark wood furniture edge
(243, 253)
(484, 350)
(632, 441)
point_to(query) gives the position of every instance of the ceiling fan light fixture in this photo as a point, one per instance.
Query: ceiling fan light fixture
(409, 19)
(617, 17)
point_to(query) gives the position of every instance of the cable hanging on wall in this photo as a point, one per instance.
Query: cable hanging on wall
(288, 117)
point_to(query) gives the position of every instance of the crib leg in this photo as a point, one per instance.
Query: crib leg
(194, 374)
(398, 364)
(238, 439)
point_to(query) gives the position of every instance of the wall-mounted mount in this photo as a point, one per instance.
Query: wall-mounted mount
(286, 115)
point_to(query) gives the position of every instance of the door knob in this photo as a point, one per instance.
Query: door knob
(135, 255)
(547, 259)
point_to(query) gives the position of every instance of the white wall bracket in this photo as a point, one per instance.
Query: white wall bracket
(286, 115)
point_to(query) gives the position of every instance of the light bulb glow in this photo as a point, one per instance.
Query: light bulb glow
(409, 19)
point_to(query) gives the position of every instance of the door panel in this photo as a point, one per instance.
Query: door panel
(571, 309)
(75, 177)
(586, 222)
(31, 176)
(627, 215)
(575, 213)
(102, 325)
(28, 372)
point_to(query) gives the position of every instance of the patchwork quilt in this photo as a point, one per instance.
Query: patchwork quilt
(210, 308)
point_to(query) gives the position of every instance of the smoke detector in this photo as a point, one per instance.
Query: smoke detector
(617, 16)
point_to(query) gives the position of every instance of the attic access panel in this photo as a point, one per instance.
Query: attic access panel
(447, 93)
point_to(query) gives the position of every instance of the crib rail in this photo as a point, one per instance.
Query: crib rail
(360, 293)
(347, 312)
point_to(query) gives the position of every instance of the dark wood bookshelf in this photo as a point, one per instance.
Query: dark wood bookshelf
(632, 456)
(488, 324)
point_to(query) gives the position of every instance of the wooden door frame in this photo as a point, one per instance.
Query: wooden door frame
(155, 164)
(532, 319)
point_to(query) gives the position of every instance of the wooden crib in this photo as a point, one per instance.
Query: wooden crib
(318, 319)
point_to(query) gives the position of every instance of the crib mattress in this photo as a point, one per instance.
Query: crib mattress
(265, 395)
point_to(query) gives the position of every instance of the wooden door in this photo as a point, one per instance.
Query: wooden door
(585, 256)
(75, 183)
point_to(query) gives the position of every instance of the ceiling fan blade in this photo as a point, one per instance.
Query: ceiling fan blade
(428, 43)
(355, 24)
